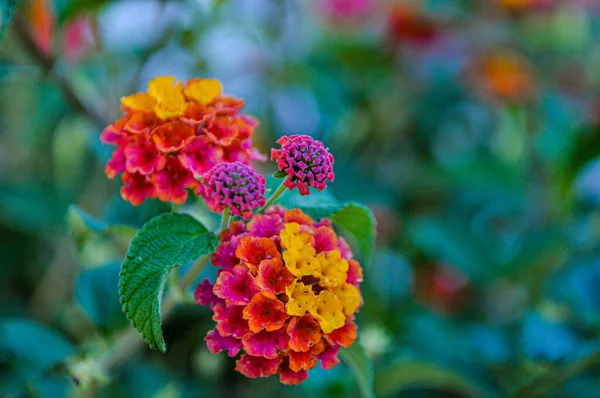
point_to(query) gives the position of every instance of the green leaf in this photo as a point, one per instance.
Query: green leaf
(357, 360)
(82, 225)
(355, 218)
(279, 174)
(33, 344)
(96, 291)
(164, 242)
(29, 355)
(120, 212)
(8, 6)
(414, 375)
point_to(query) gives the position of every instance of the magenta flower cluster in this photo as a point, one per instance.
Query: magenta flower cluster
(235, 186)
(305, 161)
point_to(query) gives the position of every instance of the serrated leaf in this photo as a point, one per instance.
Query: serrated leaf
(166, 241)
(414, 375)
(357, 360)
(355, 218)
(8, 7)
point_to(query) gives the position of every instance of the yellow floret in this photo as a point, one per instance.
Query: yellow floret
(334, 269)
(139, 102)
(203, 91)
(301, 298)
(169, 96)
(327, 310)
(349, 296)
(292, 237)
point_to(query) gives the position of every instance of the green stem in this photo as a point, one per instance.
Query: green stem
(225, 219)
(273, 198)
(192, 274)
(175, 207)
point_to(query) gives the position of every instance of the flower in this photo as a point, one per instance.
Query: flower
(305, 161)
(346, 10)
(174, 133)
(235, 186)
(408, 23)
(285, 297)
(506, 76)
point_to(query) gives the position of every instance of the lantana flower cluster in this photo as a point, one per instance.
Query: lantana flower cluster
(285, 296)
(173, 133)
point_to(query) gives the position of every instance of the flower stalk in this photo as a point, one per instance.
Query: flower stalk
(225, 218)
(274, 197)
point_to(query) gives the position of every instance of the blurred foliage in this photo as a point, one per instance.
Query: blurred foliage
(472, 130)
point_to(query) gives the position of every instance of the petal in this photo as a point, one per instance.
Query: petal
(204, 293)
(252, 251)
(173, 136)
(334, 268)
(349, 295)
(344, 336)
(301, 298)
(203, 91)
(139, 102)
(304, 332)
(288, 377)
(237, 287)
(136, 188)
(329, 357)
(230, 321)
(305, 360)
(273, 277)
(266, 344)
(327, 309)
(298, 216)
(265, 311)
(325, 240)
(254, 367)
(217, 343)
(265, 226)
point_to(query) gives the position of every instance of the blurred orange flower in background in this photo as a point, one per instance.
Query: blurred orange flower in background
(505, 75)
(41, 17)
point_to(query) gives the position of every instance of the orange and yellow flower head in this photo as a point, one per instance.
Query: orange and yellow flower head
(172, 134)
(285, 295)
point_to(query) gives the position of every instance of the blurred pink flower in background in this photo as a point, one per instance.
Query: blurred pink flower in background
(343, 10)
(78, 38)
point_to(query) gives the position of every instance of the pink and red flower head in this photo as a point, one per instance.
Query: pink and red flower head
(285, 295)
(235, 186)
(174, 133)
(304, 161)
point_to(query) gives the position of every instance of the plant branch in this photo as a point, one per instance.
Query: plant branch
(48, 64)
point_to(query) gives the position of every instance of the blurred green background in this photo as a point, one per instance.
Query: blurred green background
(471, 128)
